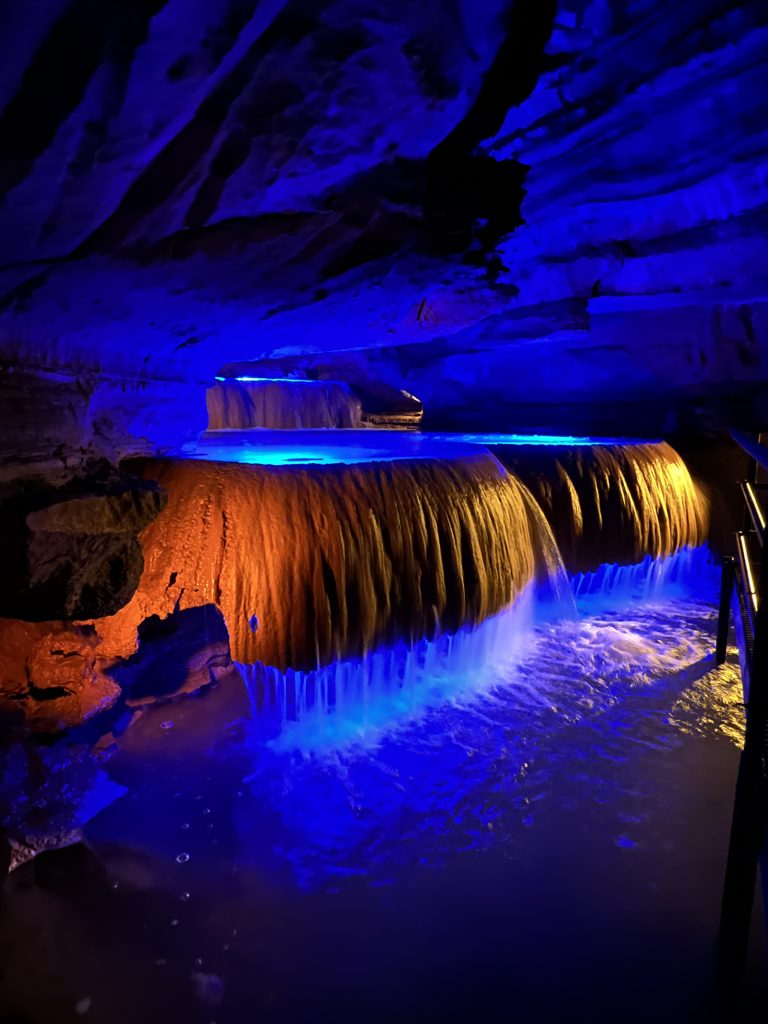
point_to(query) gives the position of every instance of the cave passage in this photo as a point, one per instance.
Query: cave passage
(383, 501)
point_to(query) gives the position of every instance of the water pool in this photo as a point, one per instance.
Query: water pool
(539, 845)
(264, 447)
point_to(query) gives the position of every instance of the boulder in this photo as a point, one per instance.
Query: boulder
(50, 679)
(73, 550)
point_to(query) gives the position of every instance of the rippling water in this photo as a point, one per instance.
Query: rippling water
(480, 766)
(561, 796)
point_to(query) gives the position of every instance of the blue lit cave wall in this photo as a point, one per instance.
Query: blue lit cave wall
(527, 214)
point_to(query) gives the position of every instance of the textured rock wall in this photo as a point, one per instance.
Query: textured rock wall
(309, 564)
(521, 213)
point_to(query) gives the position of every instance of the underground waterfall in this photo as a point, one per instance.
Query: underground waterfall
(388, 554)
(387, 632)
(383, 504)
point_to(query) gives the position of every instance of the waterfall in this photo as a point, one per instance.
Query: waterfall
(310, 564)
(346, 582)
(687, 570)
(352, 699)
(282, 404)
(613, 503)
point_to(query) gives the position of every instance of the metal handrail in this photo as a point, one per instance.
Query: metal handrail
(749, 586)
(755, 512)
(750, 813)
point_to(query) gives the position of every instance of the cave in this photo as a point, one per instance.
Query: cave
(384, 486)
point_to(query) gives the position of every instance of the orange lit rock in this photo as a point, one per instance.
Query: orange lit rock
(311, 564)
(613, 503)
(51, 677)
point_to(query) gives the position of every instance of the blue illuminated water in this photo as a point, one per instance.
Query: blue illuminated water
(320, 447)
(357, 701)
(332, 446)
(363, 769)
(561, 793)
(687, 571)
(280, 380)
(539, 440)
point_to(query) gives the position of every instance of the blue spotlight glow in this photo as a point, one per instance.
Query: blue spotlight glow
(320, 447)
(263, 447)
(688, 572)
(354, 701)
(358, 701)
(538, 440)
(278, 380)
(474, 759)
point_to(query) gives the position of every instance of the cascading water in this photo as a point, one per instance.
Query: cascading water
(360, 581)
(612, 503)
(677, 575)
(312, 563)
(352, 700)
(237, 404)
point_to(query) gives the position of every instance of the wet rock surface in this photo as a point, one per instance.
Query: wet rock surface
(181, 653)
(73, 549)
(524, 214)
(58, 677)
(50, 678)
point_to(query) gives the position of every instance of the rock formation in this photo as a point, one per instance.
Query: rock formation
(528, 213)
(72, 548)
(613, 503)
(313, 563)
(51, 678)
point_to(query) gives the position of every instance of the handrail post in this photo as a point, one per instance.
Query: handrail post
(750, 811)
(723, 619)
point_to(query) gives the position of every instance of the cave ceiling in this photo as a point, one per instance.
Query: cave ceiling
(517, 211)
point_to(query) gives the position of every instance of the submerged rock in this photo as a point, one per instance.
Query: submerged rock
(48, 793)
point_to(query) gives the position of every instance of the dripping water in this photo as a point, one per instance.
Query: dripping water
(355, 701)
(687, 571)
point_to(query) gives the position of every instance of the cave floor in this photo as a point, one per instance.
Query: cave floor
(551, 848)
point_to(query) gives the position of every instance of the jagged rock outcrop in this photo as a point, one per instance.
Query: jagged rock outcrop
(73, 549)
(50, 677)
(313, 563)
(57, 676)
(520, 213)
